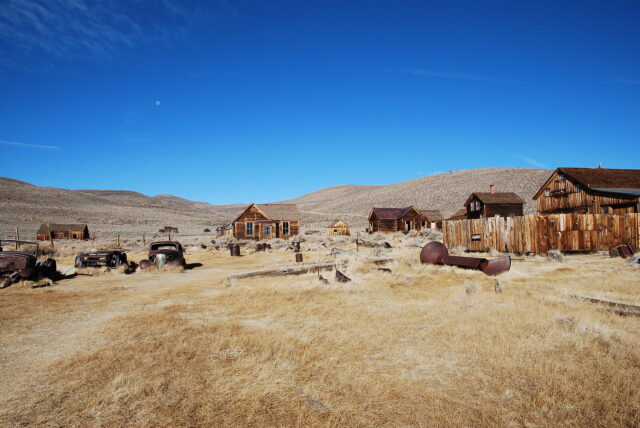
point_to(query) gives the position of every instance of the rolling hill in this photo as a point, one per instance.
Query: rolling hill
(116, 211)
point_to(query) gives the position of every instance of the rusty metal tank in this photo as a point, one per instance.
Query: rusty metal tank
(437, 253)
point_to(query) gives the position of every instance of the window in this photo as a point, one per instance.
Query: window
(249, 229)
(267, 230)
(285, 228)
(547, 192)
(605, 210)
(577, 188)
(561, 179)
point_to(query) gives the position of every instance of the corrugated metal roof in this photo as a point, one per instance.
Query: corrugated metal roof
(635, 192)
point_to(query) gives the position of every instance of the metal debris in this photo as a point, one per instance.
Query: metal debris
(437, 253)
(341, 277)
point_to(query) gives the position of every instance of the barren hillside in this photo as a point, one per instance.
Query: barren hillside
(106, 211)
(115, 211)
(446, 192)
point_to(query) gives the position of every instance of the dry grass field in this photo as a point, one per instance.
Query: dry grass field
(420, 346)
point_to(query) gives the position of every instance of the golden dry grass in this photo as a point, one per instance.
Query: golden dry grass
(422, 346)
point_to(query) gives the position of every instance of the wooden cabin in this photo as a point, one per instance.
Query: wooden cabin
(169, 229)
(494, 204)
(461, 214)
(338, 228)
(48, 231)
(267, 221)
(224, 231)
(590, 191)
(432, 219)
(389, 220)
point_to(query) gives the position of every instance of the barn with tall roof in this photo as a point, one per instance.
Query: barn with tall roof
(590, 191)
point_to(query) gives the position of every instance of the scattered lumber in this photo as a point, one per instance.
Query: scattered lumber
(380, 261)
(44, 284)
(362, 242)
(341, 277)
(283, 271)
(617, 305)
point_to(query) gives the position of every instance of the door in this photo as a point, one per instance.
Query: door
(256, 232)
(407, 225)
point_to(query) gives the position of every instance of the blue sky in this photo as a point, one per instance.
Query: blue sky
(240, 101)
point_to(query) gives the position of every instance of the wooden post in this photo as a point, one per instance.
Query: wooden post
(357, 244)
(144, 242)
(118, 240)
(17, 238)
(169, 237)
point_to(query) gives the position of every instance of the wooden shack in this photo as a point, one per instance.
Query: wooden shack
(225, 231)
(267, 221)
(48, 231)
(432, 219)
(494, 204)
(338, 228)
(169, 229)
(461, 214)
(390, 220)
(590, 191)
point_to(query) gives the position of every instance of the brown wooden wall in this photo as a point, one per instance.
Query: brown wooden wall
(253, 215)
(67, 234)
(538, 234)
(396, 225)
(568, 197)
(339, 231)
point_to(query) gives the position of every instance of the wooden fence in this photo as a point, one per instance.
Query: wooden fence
(538, 234)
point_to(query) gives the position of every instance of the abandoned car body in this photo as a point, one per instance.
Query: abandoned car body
(18, 265)
(164, 253)
(102, 258)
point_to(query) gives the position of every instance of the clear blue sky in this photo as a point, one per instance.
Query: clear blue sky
(239, 101)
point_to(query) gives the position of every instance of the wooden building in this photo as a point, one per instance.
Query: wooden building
(590, 191)
(48, 231)
(461, 214)
(267, 221)
(338, 228)
(225, 231)
(432, 219)
(389, 220)
(494, 204)
(169, 229)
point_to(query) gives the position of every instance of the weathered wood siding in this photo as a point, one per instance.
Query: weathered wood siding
(396, 225)
(565, 196)
(538, 234)
(492, 210)
(260, 223)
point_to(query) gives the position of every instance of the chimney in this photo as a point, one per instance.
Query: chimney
(600, 165)
(492, 188)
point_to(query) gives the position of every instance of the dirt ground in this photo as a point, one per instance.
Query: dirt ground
(419, 346)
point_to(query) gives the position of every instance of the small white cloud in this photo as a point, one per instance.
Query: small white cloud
(29, 146)
(531, 161)
(157, 103)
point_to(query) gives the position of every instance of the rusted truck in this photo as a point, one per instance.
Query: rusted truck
(164, 253)
(21, 265)
(111, 258)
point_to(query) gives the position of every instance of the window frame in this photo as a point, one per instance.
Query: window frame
(249, 226)
(547, 192)
(286, 228)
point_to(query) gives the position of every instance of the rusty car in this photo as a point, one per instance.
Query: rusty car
(164, 253)
(22, 265)
(110, 258)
